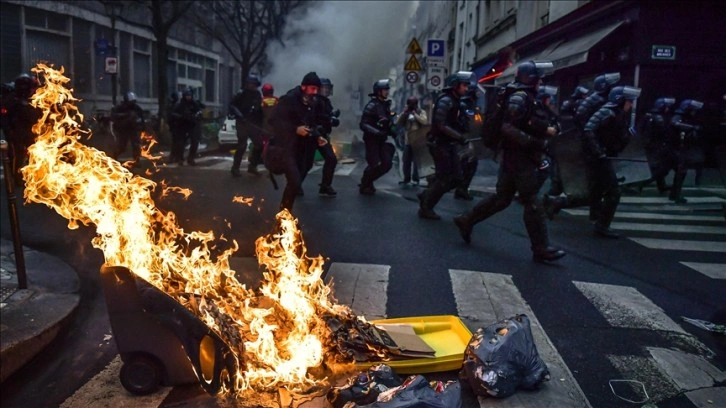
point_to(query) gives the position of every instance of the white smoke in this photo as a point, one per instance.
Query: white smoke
(351, 42)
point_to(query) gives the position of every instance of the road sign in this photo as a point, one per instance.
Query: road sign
(435, 78)
(664, 52)
(435, 48)
(412, 64)
(411, 77)
(414, 47)
(434, 61)
(111, 65)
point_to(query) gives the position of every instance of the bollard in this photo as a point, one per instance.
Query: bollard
(13, 212)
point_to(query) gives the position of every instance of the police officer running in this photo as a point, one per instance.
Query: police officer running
(246, 107)
(291, 126)
(448, 128)
(549, 168)
(601, 89)
(467, 154)
(658, 150)
(525, 140)
(188, 115)
(327, 119)
(685, 138)
(376, 126)
(569, 107)
(128, 120)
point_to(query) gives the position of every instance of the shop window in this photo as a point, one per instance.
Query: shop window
(46, 20)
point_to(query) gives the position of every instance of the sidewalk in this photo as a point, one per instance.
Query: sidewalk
(31, 318)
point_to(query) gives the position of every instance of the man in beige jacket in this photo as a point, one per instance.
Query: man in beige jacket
(412, 119)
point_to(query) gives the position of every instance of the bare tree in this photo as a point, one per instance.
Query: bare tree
(164, 14)
(245, 28)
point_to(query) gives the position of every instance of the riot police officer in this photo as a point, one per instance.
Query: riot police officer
(448, 128)
(188, 115)
(376, 124)
(525, 139)
(605, 135)
(291, 123)
(128, 121)
(549, 168)
(601, 89)
(654, 128)
(177, 151)
(327, 119)
(246, 107)
(685, 138)
(19, 120)
(467, 153)
(569, 107)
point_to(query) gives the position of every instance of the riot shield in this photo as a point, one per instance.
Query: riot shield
(566, 150)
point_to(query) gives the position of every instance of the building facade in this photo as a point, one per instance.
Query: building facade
(78, 36)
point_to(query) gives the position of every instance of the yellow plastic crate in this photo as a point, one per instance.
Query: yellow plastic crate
(447, 335)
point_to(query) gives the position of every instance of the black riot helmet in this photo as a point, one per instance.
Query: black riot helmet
(129, 97)
(580, 92)
(188, 92)
(547, 91)
(25, 84)
(663, 104)
(326, 86)
(459, 77)
(530, 72)
(253, 79)
(620, 94)
(174, 97)
(604, 82)
(689, 106)
(381, 84)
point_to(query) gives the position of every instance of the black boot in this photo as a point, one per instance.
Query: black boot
(463, 194)
(547, 254)
(662, 186)
(481, 211)
(465, 227)
(675, 194)
(605, 231)
(424, 211)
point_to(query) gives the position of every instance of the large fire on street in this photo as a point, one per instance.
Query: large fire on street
(278, 333)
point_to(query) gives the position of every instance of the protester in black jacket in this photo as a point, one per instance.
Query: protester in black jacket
(188, 115)
(246, 107)
(292, 122)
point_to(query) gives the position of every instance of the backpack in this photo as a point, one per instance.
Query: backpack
(273, 157)
(491, 130)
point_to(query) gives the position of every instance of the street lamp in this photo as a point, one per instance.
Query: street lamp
(114, 8)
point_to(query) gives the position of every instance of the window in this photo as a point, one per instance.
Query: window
(181, 71)
(142, 74)
(47, 47)
(46, 20)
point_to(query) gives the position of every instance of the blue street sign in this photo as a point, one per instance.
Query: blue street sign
(435, 48)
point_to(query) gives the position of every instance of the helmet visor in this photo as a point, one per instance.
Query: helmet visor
(544, 68)
(669, 101)
(696, 105)
(612, 78)
(631, 93)
(548, 90)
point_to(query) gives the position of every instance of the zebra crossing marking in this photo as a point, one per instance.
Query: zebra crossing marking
(688, 371)
(105, 389)
(681, 245)
(625, 306)
(712, 270)
(672, 228)
(653, 216)
(484, 298)
(666, 200)
(363, 287)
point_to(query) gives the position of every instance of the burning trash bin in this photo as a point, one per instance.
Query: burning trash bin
(160, 341)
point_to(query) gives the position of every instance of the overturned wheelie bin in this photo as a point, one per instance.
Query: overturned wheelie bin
(160, 341)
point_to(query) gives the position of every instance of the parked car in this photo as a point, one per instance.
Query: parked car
(227, 135)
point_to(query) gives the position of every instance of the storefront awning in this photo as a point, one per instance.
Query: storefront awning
(483, 70)
(575, 51)
(563, 54)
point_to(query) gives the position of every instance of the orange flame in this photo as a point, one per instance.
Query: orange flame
(278, 333)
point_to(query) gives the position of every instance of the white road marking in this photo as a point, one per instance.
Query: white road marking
(681, 245)
(485, 298)
(672, 228)
(363, 287)
(653, 216)
(624, 306)
(665, 200)
(712, 270)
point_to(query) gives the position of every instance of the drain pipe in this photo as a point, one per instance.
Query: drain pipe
(13, 212)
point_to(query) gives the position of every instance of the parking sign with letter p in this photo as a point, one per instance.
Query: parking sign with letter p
(435, 47)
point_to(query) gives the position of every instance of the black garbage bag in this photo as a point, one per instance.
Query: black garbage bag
(365, 387)
(380, 387)
(502, 357)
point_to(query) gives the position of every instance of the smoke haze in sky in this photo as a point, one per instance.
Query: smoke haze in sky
(350, 42)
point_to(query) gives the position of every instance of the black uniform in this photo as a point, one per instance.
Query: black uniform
(325, 121)
(291, 112)
(524, 144)
(605, 135)
(246, 106)
(685, 137)
(658, 149)
(376, 126)
(467, 153)
(128, 121)
(187, 115)
(589, 106)
(448, 125)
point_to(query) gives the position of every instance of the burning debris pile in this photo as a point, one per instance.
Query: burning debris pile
(290, 334)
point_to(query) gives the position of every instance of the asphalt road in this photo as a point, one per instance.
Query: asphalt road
(384, 230)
